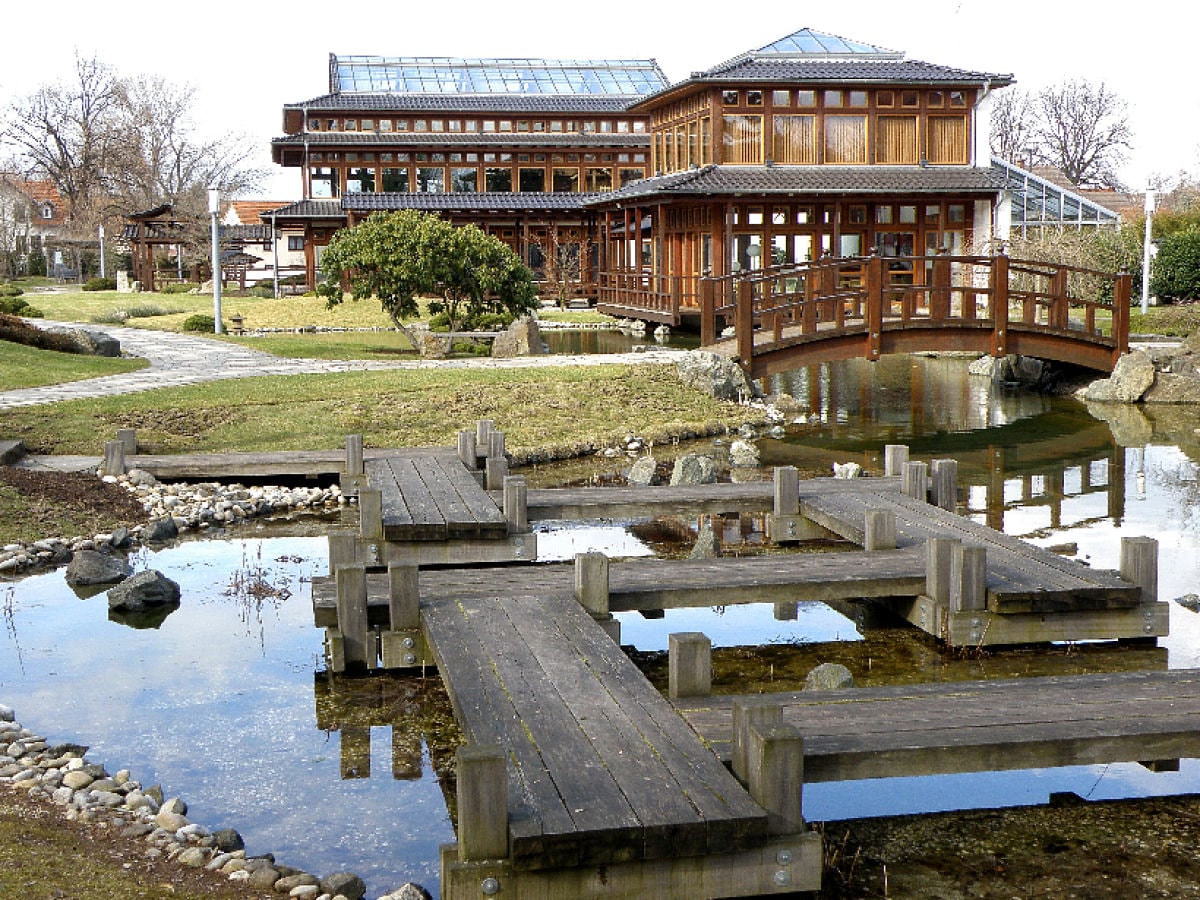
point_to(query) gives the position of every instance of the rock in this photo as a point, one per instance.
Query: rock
(7, 713)
(120, 538)
(97, 343)
(170, 821)
(408, 891)
(141, 478)
(714, 375)
(263, 879)
(347, 884)
(644, 471)
(743, 453)
(92, 567)
(708, 542)
(828, 677)
(288, 882)
(523, 338)
(691, 468)
(174, 805)
(1129, 425)
(193, 857)
(432, 345)
(847, 470)
(145, 589)
(227, 840)
(159, 530)
(984, 366)
(1023, 370)
(77, 780)
(1189, 601)
(1131, 378)
(1173, 388)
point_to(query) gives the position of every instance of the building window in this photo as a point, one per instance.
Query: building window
(464, 181)
(948, 140)
(806, 98)
(565, 181)
(834, 100)
(47, 211)
(846, 140)
(531, 180)
(395, 180)
(295, 242)
(729, 98)
(431, 180)
(896, 140)
(599, 179)
(499, 179)
(628, 176)
(742, 140)
(360, 181)
(858, 99)
(795, 140)
(781, 98)
(958, 98)
(322, 182)
(754, 98)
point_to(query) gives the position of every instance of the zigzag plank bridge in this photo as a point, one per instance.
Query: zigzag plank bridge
(795, 315)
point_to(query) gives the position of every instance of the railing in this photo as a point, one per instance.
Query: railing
(990, 303)
(658, 297)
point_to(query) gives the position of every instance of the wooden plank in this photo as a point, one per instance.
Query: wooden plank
(422, 521)
(479, 503)
(395, 511)
(446, 499)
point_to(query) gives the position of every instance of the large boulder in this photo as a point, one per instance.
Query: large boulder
(743, 453)
(1169, 387)
(160, 530)
(347, 884)
(97, 343)
(644, 471)
(92, 567)
(146, 589)
(1131, 378)
(691, 468)
(523, 338)
(715, 375)
(708, 542)
(829, 677)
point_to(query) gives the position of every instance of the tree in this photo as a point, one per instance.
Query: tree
(397, 256)
(1077, 127)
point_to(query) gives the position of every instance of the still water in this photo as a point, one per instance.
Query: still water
(226, 702)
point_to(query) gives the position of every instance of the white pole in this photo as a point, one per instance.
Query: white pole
(275, 254)
(214, 207)
(1146, 251)
(102, 273)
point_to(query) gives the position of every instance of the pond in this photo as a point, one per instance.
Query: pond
(227, 703)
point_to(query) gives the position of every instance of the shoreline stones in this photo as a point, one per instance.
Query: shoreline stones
(86, 792)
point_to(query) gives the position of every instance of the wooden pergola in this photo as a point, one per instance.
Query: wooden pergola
(145, 232)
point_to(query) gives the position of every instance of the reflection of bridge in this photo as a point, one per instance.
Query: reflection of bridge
(842, 308)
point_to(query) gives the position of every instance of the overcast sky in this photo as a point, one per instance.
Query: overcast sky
(246, 59)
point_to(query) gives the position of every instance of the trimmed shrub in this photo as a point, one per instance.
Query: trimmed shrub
(178, 288)
(13, 329)
(100, 284)
(201, 323)
(149, 311)
(10, 290)
(1175, 272)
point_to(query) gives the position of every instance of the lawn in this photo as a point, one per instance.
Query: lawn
(23, 367)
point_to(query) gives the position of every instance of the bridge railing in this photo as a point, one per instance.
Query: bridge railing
(647, 292)
(868, 295)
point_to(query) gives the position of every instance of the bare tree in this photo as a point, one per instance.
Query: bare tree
(1083, 130)
(1012, 127)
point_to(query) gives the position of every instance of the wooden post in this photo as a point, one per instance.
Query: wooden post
(915, 481)
(879, 530)
(482, 803)
(689, 665)
(483, 427)
(1122, 290)
(496, 470)
(999, 305)
(747, 715)
(945, 483)
(468, 455)
(354, 454)
(495, 445)
(342, 548)
(968, 578)
(895, 458)
(874, 289)
(787, 491)
(776, 782)
(370, 514)
(128, 437)
(404, 597)
(516, 505)
(939, 297)
(744, 323)
(708, 312)
(939, 559)
(352, 614)
(114, 458)
(591, 582)
(1139, 565)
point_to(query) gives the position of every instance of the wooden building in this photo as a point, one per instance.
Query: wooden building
(810, 146)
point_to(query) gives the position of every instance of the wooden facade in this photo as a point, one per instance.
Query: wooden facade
(810, 147)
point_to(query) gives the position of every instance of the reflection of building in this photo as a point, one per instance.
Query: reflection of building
(809, 146)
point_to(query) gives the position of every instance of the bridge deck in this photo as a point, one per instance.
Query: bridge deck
(432, 497)
(926, 729)
(601, 768)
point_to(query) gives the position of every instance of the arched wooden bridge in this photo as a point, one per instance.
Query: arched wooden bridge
(785, 317)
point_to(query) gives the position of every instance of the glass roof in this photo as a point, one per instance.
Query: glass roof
(808, 42)
(446, 75)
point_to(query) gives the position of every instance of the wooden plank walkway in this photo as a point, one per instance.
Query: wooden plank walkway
(433, 497)
(601, 769)
(278, 463)
(926, 729)
(654, 584)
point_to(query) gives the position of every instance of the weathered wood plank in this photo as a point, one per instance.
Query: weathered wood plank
(478, 502)
(423, 520)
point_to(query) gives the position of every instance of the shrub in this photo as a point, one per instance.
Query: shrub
(10, 290)
(13, 329)
(266, 291)
(100, 284)
(148, 311)
(199, 322)
(112, 317)
(1175, 273)
(178, 288)
(13, 306)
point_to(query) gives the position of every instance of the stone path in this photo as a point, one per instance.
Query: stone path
(182, 359)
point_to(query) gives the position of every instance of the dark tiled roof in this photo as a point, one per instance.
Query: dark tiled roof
(254, 234)
(460, 139)
(479, 202)
(465, 103)
(892, 71)
(723, 180)
(309, 209)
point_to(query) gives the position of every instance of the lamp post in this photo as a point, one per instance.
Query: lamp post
(214, 207)
(102, 272)
(1146, 251)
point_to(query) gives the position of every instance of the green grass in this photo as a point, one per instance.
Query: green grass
(1176, 320)
(552, 410)
(333, 345)
(22, 367)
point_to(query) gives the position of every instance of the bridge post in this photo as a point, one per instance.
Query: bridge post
(968, 578)
(873, 284)
(944, 474)
(689, 665)
(787, 491)
(708, 312)
(1122, 291)
(1060, 312)
(777, 776)
(895, 458)
(915, 481)
(128, 437)
(352, 615)
(879, 530)
(939, 297)
(354, 455)
(516, 509)
(114, 458)
(343, 546)
(370, 514)
(468, 453)
(404, 598)
(749, 714)
(939, 562)
(482, 803)
(744, 323)
(999, 305)
(1139, 565)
